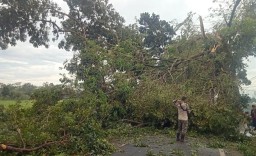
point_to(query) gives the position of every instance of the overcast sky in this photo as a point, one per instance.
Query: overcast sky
(24, 63)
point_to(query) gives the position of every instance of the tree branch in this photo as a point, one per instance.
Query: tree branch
(182, 23)
(170, 70)
(4, 147)
(138, 124)
(202, 26)
(233, 13)
(176, 62)
(54, 25)
(73, 18)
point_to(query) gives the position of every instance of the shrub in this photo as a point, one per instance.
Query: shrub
(72, 123)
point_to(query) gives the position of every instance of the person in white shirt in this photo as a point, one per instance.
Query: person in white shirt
(183, 110)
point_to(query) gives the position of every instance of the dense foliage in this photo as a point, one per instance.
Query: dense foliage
(127, 73)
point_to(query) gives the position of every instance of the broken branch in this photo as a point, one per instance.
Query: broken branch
(4, 147)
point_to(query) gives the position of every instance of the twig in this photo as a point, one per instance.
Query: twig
(183, 22)
(19, 132)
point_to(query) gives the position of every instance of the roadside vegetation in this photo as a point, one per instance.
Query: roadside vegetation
(44, 120)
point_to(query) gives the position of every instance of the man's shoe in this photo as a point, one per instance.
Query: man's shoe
(182, 137)
(178, 137)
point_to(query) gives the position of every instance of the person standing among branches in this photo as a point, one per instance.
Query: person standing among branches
(183, 111)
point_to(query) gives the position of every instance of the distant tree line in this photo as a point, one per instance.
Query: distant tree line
(16, 91)
(19, 91)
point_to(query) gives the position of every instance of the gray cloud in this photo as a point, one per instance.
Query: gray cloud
(167, 9)
(24, 63)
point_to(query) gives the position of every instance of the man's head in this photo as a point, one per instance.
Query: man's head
(253, 106)
(183, 98)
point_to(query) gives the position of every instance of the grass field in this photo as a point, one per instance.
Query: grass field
(23, 103)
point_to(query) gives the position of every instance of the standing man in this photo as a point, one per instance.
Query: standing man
(183, 110)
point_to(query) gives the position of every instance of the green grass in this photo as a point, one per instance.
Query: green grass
(23, 103)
